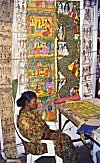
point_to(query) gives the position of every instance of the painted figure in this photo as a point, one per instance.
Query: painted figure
(32, 25)
(39, 25)
(61, 32)
(66, 8)
(46, 27)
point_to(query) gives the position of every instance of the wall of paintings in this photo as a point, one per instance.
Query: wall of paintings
(46, 47)
(35, 32)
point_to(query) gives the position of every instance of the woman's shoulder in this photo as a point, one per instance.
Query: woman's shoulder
(23, 113)
(23, 116)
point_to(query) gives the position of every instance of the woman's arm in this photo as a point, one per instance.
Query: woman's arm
(46, 105)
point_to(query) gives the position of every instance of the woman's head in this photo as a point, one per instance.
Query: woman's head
(28, 98)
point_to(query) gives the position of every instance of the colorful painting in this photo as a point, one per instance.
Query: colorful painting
(50, 112)
(37, 47)
(69, 9)
(68, 43)
(40, 26)
(40, 53)
(41, 76)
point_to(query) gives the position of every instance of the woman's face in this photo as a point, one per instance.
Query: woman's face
(33, 103)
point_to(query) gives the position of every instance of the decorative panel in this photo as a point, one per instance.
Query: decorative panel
(40, 50)
(88, 54)
(6, 104)
(68, 43)
(19, 46)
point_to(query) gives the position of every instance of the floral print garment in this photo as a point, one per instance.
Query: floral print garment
(32, 126)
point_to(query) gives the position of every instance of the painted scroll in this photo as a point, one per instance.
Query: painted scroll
(6, 104)
(68, 15)
(87, 54)
(40, 52)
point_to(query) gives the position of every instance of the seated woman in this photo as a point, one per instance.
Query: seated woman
(34, 128)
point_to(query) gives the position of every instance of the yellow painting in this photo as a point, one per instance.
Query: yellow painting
(39, 26)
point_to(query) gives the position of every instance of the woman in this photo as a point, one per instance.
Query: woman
(34, 128)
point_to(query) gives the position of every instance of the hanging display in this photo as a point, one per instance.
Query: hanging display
(87, 54)
(68, 42)
(20, 62)
(9, 149)
(40, 53)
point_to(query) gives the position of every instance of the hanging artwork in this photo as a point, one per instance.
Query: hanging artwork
(8, 139)
(87, 54)
(68, 51)
(7, 122)
(19, 39)
(40, 53)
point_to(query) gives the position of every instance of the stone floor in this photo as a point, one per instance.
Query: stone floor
(83, 155)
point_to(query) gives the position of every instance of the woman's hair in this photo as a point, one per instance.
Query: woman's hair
(26, 97)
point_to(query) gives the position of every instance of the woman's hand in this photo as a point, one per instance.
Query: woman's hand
(48, 103)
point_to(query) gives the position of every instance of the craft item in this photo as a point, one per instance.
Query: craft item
(68, 98)
(68, 45)
(6, 103)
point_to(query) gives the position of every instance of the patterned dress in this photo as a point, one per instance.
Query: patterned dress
(34, 128)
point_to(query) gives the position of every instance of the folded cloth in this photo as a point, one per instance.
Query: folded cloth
(86, 129)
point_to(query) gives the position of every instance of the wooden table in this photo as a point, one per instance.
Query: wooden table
(75, 118)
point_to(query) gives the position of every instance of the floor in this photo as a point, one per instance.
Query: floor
(83, 155)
